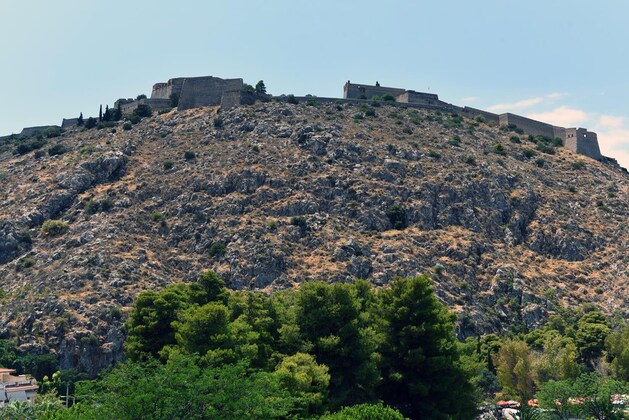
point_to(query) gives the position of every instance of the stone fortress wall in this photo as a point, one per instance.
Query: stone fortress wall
(193, 92)
(578, 140)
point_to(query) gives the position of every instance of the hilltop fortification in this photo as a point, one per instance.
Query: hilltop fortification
(192, 92)
(579, 140)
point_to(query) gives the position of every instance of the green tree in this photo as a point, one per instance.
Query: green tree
(365, 412)
(261, 88)
(329, 321)
(590, 336)
(617, 344)
(79, 121)
(90, 123)
(557, 361)
(514, 368)
(149, 327)
(205, 330)
(305, 379)
(143, 110)
(420, 361)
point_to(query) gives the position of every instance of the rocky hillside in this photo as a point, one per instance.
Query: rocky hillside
(273, 194)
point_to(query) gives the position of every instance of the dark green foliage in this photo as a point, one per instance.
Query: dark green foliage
(365, 412)
(25, 263)
(38, 365)
(578, 165)
(100, 113)
(515, 139)
(24, 237)
(528, 153)
(593, 329)
(370, 113)
(57, 149)
(540, 162)
(388, 97)
(117, 116)
(143, 111)
(261, 88)
(299, 221)
(189, 155)
(157, 216)
(108, 115)
(455, 141)
(90, 123)
(470, 160)
(397, 216)
(141, 96)
(134, 119)
(127, 126)
(420, 362)
(51, 132)
(218, 122)
(168, 165)
(291, 99)
(54, 227)
(499, 149)
(248, 88)
(24, 147)
(180, 389)
(217, 249)
(329, 321)
(80, 121)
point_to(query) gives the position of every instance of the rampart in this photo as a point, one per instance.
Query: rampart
(583, 142)
(537, 128)
(33, 131)
(356, 91)
(166, 90)
(470, 112)
(205, 91)
(69, 122)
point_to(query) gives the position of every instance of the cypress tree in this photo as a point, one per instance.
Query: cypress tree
(100, 113)
(80, 120)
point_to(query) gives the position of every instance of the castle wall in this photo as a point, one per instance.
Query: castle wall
(32, 131)
(69, 122)
(412, 97)
(155, 104)
(165, 90)
(205, 91)
(583, 142)
(470, 112)
(537, 128)
(356, 91)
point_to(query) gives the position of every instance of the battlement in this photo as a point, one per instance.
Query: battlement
(583, 142)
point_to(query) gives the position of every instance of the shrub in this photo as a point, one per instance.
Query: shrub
(291, 99)
(174, 100)
(455, 141)
(106, 205)
(52, 132)
(134, 119)
(528, 153)
(312, 101)
(397, 216)
(140, 96)
(218, 122)
(39, 154)
(499, 149)
(388, 98)
(157, 216)
(434, 154)
(545, 148)
(578, 165)
(57, 149)
(480, 119)
(90, 123)
(217, 249)
(91, 207)
(24, 237)
(370, 113)
(168, 165)
(515, 139)
(540, 162)
(54, 227)
(189, 155)
(470, 160)
(557, 142)
(25, 263)
(143, 110)
(127, 126)
(299, 221)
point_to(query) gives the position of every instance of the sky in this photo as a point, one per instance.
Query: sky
(562, 62)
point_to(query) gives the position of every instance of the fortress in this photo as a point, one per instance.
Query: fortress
(193, 92)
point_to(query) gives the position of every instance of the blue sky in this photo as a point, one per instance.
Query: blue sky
(560, 61)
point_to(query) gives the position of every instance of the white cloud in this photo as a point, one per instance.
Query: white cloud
(526, 103)
(562, 116)
(613, 137)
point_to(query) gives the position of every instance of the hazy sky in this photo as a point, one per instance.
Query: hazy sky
(564, 62)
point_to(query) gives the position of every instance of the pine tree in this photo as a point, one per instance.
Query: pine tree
(421, 373)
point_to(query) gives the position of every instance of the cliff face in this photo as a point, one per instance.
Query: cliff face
(272, 195)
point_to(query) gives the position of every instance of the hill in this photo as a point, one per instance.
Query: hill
(271, 195)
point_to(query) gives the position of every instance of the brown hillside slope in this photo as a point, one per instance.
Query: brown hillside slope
(280, 194)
